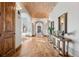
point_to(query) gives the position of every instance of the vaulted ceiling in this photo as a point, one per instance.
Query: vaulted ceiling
(39, 9)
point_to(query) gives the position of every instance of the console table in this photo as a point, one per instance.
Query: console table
(57, 40)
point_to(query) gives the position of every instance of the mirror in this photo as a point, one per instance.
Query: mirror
(62, 23)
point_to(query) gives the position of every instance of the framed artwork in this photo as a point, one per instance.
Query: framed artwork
(52, 25)
(62, 23)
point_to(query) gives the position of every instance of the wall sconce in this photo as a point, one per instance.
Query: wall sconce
(18, 12)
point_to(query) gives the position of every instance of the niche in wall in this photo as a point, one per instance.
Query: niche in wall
(62, 23)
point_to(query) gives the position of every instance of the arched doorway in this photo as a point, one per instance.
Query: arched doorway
(39, 28)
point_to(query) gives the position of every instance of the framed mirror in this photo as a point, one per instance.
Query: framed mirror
(62, 23)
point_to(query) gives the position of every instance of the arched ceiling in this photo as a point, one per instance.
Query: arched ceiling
(39, 9)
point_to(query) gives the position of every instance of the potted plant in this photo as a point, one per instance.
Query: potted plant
(50, 29)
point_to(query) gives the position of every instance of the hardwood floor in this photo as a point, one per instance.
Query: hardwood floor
(36, 47)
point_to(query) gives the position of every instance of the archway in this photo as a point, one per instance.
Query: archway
(39, 28)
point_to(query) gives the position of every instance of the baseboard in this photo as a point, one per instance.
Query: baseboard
(18, 48)
(26, 35)
(45, 35)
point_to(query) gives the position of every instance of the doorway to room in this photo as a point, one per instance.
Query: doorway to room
(39, 28)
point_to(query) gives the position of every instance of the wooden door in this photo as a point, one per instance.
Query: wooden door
(1, 47)
(9, 17)
(7, 28)
(1, 26)
(8, 44)
(1, 18)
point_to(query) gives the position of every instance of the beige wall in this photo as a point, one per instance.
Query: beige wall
(17, 30)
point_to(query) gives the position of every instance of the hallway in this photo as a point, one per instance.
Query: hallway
(29, 29)
(36, 47)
